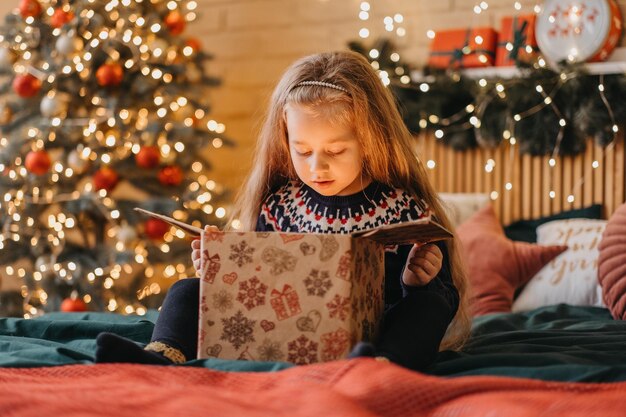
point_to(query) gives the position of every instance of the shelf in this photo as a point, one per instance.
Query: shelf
(610, 67)
(616, 65)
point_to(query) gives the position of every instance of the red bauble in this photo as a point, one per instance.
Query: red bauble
(110, 74)
(26, 85)
(105, 179)
(38, 162)
(73, 305)
(194, 44)
(148, 157)
(60, 17)
(171, 175)
(175, 22)
(29, 8)
(156, 228)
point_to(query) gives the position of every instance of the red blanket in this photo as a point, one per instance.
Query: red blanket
(353, 388)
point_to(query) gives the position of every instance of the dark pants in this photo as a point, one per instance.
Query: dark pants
(408, 334)
(177, 324)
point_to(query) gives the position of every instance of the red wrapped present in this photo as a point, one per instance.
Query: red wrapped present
(463, 48)
(517, 41)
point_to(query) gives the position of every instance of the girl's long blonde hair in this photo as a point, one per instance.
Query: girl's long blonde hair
(389, 157)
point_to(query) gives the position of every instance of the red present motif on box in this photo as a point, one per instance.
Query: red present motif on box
(212, 264)
(463, 48)
(517, 41)
(286, 303)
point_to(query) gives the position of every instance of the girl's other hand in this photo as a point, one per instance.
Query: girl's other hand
(423, 264)
(196, 256)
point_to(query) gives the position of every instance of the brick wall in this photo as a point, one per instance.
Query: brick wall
(254, 40)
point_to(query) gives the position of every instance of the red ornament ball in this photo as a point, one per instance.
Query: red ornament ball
(26, 85)
(38, 162)
(175, 22)
(73, 305)
(110, 74)
(105, 179)
(148, 157)
(171, 175)
(29, 8)
(156, 228)
(194, 44)
(60, 17)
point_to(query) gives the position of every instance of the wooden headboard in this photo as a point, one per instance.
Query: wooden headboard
(531, 178)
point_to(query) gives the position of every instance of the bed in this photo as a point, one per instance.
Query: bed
(558, 356)
(549, 359)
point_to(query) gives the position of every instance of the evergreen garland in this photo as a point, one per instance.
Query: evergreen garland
(466, 112)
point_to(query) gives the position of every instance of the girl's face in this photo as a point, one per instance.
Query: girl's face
(327, 157)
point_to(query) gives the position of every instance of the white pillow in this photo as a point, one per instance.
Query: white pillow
(571, 277)
(461, 206)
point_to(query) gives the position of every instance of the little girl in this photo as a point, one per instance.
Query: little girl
(334, 156)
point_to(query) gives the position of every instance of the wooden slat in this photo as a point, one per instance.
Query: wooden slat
(556, 173)
(487, 155)
(577, 177)
(526, 187)
(536, 181)
(567, 181)
(546, 187)
(588, 171)
(516, 180)
(619, 173)
(598, 177)
(479, 171)
(609, 178)
(468, 171)
(449, 168)
(507, 195)
(498, 174)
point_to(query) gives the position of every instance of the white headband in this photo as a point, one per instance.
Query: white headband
(321, 83)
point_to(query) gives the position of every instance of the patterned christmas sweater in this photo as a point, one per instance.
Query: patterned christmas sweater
(295, 207)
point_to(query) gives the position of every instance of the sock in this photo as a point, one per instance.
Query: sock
(114, 348)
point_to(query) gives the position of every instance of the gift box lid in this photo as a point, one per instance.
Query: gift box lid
(424, 230)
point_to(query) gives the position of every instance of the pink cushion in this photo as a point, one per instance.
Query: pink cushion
(496, 265)
(612, 264)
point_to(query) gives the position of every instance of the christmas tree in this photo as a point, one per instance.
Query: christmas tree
(103, 108)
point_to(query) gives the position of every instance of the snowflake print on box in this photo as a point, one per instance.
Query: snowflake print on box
(238, 330)
(335, 344)
(223, 301)
(252, 293)
(270, 351)
(339, 307)
(318, 283)
(302, 351)
(280, 260)
(241, 253)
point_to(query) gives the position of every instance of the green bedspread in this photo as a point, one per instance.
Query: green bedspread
(561, 343)
(558, 343)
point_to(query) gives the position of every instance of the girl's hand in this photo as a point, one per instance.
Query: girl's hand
(422, 265)
(196, 256)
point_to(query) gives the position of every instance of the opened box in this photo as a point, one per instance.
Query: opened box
(299, 298)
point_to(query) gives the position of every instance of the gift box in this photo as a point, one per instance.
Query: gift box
(516, 42)
(463, 48)
(299, 298)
